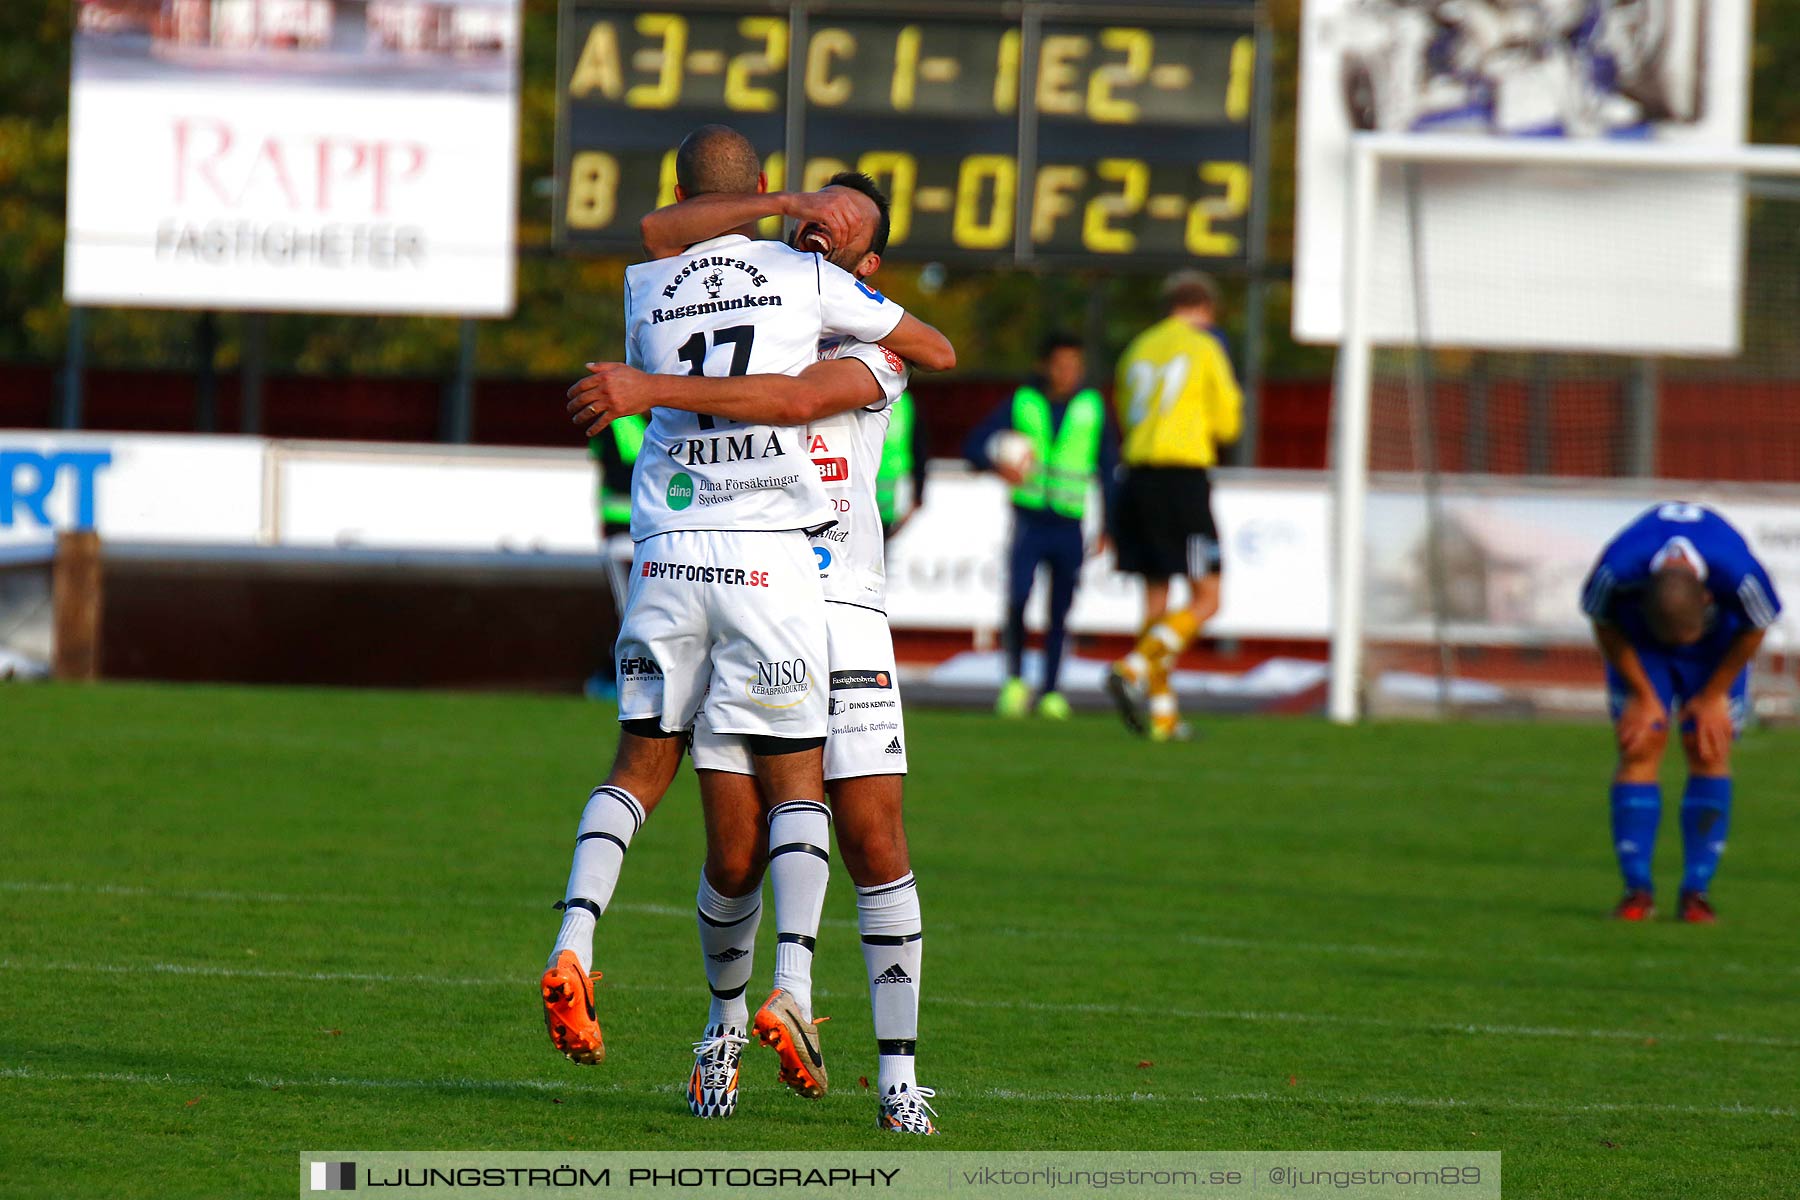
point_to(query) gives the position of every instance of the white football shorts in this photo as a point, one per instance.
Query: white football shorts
(729, 623)
(868, 735)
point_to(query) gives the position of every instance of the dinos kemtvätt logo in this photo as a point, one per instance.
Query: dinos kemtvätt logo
(681, 490)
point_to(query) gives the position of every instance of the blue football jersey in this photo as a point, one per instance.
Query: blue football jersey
(1742, 592)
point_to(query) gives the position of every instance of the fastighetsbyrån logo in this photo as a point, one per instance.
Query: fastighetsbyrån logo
(855, 680)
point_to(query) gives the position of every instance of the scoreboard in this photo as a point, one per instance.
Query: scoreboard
(1065, 134)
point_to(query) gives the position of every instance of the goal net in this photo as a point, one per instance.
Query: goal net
(27, 618)
(1541, 341)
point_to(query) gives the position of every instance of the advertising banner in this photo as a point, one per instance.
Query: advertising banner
(419, 499)
(1644, 262)
(1506, 568)
(305, 155)
(1512, 560)
(136, 487)
(947, 568)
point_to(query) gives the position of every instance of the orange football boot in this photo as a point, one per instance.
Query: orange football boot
(569, 1010)
(781, 1026)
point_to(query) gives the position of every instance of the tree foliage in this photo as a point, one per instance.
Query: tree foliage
(569, 309)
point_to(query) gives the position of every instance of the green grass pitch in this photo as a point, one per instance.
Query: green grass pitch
(240, 924)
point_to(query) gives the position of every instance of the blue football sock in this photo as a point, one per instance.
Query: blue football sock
(1705, 818)
(1636, 811)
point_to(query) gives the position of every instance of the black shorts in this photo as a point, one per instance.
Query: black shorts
(1164, 525)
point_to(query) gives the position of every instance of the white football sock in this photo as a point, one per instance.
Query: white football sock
(799, 869)
(728, 944)
(893, 949)
(608, 822)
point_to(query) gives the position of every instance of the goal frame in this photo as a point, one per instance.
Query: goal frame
(1353, 386)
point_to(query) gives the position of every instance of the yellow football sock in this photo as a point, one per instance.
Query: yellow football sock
(1185, 626)
(1135, 666)
(1165, 709)
(1165, 712)
(1168, 637)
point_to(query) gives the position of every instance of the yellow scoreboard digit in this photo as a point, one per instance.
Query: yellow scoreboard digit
(661, 60)
(1141, 128)
(1143, 140)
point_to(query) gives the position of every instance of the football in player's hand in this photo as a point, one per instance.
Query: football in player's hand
(1011, 453)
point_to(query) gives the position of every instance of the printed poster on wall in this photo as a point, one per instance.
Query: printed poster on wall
(1527, 258)
(300, 155)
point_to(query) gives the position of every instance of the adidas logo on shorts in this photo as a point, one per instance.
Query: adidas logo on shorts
(893, 747)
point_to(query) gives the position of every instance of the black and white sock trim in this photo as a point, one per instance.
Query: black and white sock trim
(627, 799)
(718, 924)
(800, 806)
(797, 807)
(602, 835)
(882, 889)
(890, 939)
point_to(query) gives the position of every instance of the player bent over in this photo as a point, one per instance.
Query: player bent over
(725, 612)
(1679, 606)
(846, 398)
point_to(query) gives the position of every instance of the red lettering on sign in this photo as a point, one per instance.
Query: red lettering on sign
(328, 173)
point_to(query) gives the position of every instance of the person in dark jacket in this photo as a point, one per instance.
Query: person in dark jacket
(1072, 448)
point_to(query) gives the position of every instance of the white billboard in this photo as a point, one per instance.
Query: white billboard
(1527, 258)
(134, 487)
(302, 155)
(947, 568)
(1512, 555)
(393, 498)
(1510, 560)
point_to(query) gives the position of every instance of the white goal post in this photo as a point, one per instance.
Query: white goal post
(1385, 300)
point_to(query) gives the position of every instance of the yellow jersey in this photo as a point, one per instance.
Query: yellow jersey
(1177, 397)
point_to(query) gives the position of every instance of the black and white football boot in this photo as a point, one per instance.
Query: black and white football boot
(904, 1110)
(712, 1089)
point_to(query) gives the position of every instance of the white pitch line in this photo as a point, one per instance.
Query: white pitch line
(330, 1081)
(1367, 950)
(1390, 1102)
(204, 970)
(1011, 932)
(463, 1083)
(1300, 1018)
(230, 897)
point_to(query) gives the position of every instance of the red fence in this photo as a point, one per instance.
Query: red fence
(1717, 429)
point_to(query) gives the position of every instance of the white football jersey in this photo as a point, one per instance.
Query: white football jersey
(847, 450)
(732, 306)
